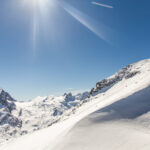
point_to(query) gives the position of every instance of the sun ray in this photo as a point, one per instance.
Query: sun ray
(39, 11)
(98, 29)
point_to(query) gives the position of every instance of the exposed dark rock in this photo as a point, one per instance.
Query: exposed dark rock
(7, 105)
(69, 97)
(124, 73)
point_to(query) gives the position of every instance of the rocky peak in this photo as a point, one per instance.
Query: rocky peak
(6, 100)
(7, 105)
(4, 96)
(69, 97)
(125, 73)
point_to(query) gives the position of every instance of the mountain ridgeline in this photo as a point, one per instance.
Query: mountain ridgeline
(125, 73)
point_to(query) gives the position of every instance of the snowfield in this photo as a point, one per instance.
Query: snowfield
(115, 116)
(123, 125)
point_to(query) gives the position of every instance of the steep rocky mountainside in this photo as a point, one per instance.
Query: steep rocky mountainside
(7, 105)
(8, 121)
(125, 73)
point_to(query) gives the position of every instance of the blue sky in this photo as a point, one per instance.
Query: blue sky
(54, 46)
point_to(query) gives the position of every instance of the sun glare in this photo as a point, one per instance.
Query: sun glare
(39, 11)
(38, 3)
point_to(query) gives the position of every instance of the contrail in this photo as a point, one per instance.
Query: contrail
(103, 5)
(98, 29)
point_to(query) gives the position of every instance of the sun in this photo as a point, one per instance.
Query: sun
(37, 3)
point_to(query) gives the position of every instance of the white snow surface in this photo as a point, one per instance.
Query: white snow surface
(116, 118)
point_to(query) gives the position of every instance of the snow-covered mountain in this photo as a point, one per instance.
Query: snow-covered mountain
(19, 118)
(8, 121)
(125, 73)
(119, 105)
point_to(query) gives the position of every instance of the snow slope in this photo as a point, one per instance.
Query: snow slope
(115, 116)
(123, 125)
